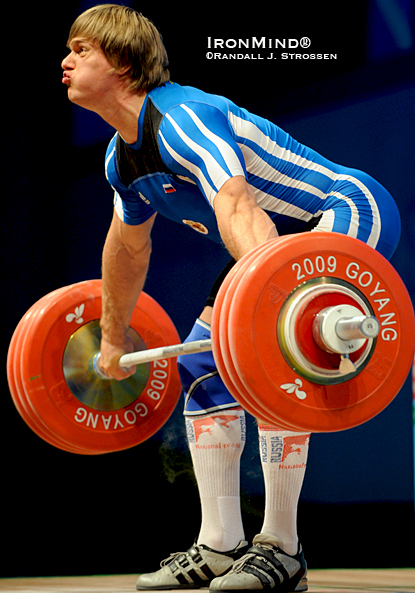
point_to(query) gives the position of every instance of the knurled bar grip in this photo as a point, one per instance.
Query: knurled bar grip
(144, 356)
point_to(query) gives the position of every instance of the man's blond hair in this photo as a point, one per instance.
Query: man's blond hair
(130, 42)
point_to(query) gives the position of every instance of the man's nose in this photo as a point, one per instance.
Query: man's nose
(68, 63)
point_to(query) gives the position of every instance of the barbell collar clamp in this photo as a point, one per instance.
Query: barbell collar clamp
(342, 329)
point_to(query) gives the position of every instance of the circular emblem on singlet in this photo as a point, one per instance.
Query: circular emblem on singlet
(197, 226)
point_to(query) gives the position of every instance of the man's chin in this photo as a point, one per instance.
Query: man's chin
(77, 99)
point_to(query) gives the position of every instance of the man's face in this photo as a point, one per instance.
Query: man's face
(88, 74)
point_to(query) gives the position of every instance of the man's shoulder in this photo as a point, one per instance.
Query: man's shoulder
(171, 95)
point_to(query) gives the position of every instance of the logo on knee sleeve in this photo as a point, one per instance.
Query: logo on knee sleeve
(196, 429)
(276, 449)
(295, 445)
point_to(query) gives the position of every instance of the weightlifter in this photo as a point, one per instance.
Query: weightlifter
(240, 180)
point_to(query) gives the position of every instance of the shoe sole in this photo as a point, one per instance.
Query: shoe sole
(300, 588)
(172, 587)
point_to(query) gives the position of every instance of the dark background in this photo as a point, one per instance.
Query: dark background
(66, 514)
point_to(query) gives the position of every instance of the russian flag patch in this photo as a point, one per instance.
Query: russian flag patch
(168, 188)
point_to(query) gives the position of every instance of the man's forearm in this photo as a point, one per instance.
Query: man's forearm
(124, 272)
(125, 262)
(122, 281)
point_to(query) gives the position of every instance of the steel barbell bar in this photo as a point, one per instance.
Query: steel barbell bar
(347, 329)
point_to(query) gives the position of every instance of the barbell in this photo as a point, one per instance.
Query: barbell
(310, 332)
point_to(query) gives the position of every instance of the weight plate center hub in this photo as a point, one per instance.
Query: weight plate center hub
(306, 331)
(84, 383)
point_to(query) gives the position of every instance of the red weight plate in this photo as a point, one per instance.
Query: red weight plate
(13, 375)
(95, 451)
(23, 405)
(220, 339)
(86, 425)
(163, 334)
(267, 412)
(43, 429)
(11, 357)
(256, 352)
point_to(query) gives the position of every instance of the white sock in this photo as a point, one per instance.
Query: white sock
(216, 442)
(283, 459)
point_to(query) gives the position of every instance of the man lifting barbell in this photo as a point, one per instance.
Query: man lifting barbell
(200, 160)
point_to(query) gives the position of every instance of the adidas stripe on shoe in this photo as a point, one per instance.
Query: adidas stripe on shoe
(265, 566)
(193, 569)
